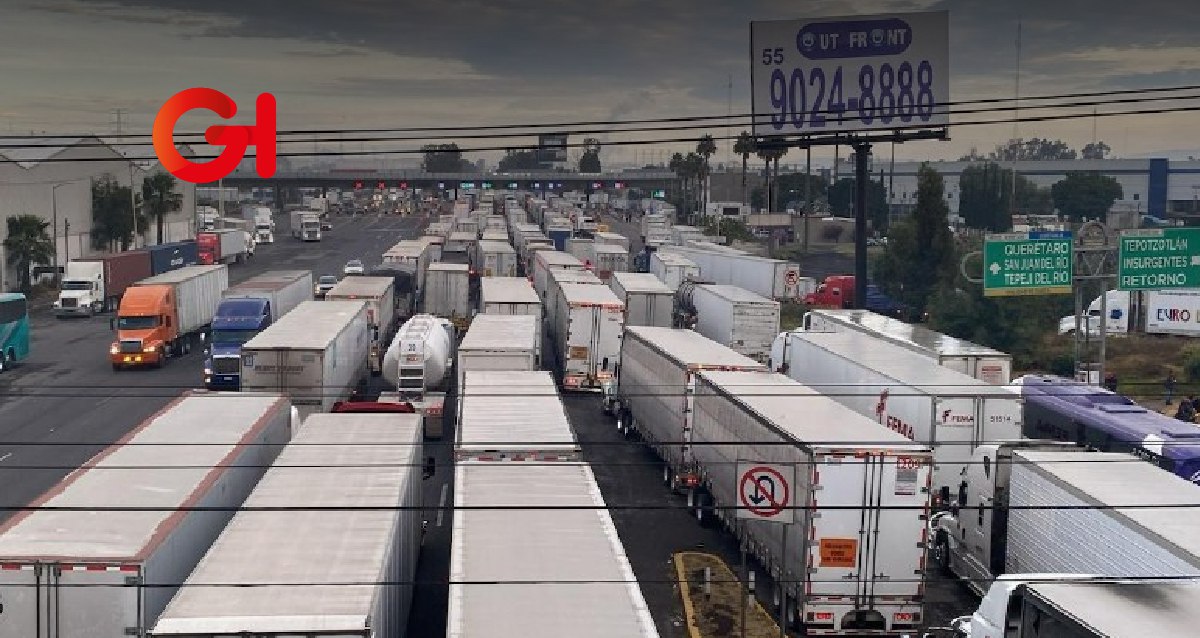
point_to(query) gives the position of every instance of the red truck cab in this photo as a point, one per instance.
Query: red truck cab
(837, 291)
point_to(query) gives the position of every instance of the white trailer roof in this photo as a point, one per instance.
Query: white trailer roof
(1130, 609)
(805, 414)
(902, 365)
(672, 259)
(549, 546)
(357, 286)
(492, 246)
(337, 460)
(507, 290)
(592, 294)
(463, 268)
(575, 277)
(642, 282)
(138, 473)
(501, 332)
(737, 294)
(610, 236)
(908, 334)
(609, 248)
(519, 410)
(554, 258)
(464, 235)
(1166, 503)
(273, 279)
(186, 273)
(690, 348)
(312, 324)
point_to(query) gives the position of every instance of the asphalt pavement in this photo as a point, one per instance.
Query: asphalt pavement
(65, 403)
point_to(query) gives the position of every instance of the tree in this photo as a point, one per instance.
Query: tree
(791, 187)
(841, 200)
(27, 244)
(1033, 149)
(705, 148)
(768, 155)
(589, 162)
(1085, 195)
(744, 146)
(985, 197)
(159, 199)
(758, 198)
(1033, 199)
(112, 219)
(518, 161)
(444, 158)
(920, 252)
(1095, 151)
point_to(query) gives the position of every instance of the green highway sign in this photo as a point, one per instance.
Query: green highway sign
(1159, 259)
(1037, 263)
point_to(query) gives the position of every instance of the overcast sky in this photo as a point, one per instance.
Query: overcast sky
(376, 63)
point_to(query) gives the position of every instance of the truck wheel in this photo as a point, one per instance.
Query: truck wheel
(3, 362)
(186, 345)
(116, 367)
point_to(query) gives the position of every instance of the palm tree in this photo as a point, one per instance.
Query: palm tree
(694, 170)
(676, 164)
(159, 198)
(28, 244)
(744, 146)
(705, 148)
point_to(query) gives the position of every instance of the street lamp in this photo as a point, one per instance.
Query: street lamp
(54, 208)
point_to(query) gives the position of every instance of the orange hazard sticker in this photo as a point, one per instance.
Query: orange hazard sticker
(839, 552)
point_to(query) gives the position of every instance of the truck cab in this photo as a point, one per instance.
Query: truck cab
(236, 322)
(146, 324)
(837, 291)
(82, 290)
(999, 612)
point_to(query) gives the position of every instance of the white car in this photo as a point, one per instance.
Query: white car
(354, 267)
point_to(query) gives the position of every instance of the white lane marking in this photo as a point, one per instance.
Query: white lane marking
(2, 458)
(442, 503)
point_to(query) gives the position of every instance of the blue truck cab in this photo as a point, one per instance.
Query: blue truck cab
(237, 321)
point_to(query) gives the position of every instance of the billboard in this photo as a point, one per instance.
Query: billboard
(552, 148)
(850, 73)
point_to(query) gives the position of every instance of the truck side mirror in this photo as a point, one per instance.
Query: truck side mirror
(944, 494)
(430, 468)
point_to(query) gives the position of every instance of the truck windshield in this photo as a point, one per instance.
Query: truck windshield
(263, 226)
(233, 336)
(76, 285)
(136, 323)
(312, 225)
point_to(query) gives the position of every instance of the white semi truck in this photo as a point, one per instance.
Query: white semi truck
(905, 392)
(418, 363)
(84, 571)
(370, 460)
(306, 225)
(380, 295)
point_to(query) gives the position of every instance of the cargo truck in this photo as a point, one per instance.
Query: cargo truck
(905, 392)
(84, 572)
(1040, 507)
(306, 225)
(612, 238)
(512, 415)
(1171, 312)
(854, 562)
(247, 309)
(447, 291)
(654, 388)
(1037, 606)
(584, 586)
(731, 316)
(499, 342)
(165, 315)
(607, 259)
(495, 259)
(771, 278)
(673, 269)
(226, 246)
(315, 354)
(546, 261)
(837, 291)
(586, 333)
(168, 257)
(648, 301)
(981, 362)
(417, 365)
(370, 460)
(380, 295)
(96, 284)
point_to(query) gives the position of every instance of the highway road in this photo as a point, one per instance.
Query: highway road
(65, 403)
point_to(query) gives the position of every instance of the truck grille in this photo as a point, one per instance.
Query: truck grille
(70, 302)
(227, 365)
(131, 345)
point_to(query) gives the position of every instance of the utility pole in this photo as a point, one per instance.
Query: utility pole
(862, 155)
(133, 207)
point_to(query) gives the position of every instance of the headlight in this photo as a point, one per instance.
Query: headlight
(152, 349)
(113, 349)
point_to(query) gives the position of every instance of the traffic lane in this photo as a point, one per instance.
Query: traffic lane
(657, 526)
(66, 391)
(430, 596)
(629, 474)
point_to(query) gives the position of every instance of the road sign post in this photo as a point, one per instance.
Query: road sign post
(1159, 259)
(1035, 263)
(765, 491)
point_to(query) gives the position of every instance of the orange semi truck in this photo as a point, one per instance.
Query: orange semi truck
(164, 315)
